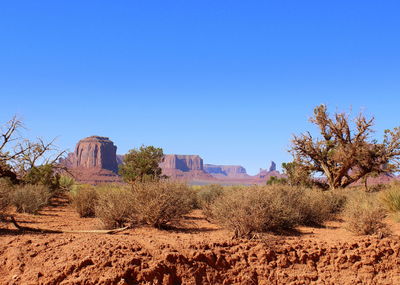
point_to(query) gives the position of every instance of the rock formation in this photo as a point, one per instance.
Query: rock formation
(96, 152)
(226, 171)
(93, 161)
(183, 163)
(185, 167)
(273, 166)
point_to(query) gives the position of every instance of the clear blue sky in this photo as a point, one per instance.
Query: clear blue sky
(228, 80)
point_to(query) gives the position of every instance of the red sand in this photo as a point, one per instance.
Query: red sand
(196, 253)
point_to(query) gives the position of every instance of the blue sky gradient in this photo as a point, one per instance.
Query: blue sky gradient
(228, 80)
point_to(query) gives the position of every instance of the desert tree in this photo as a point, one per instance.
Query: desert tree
(20, 156)
(142, 164)
(345, 152)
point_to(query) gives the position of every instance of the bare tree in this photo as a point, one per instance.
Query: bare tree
(345, 155)
(19, 155)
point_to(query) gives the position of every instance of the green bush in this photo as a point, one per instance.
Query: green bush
(273, 180)
(84, 201)
(115, 207)
(66, 183)
(364, 214)
(30, 198)
(44, 175)
(161, 202)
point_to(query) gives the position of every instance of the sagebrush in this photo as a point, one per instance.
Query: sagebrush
(114, 207)
(245, 210)
(159, 203)
(84, 201)
(364, 214)
(30, 198)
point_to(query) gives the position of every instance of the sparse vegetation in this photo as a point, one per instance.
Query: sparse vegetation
(30, 198)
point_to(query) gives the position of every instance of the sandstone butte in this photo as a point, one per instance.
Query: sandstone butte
(95, 160)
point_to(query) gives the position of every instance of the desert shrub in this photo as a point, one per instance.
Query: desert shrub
(30, 198)
(66, 183)
(84, 201)
(206, 196)
(114, 206)
(246, 210)
(364, 214)
(44, 175)
(160, 202)
(272, 208)
(273, 180)
(316, 206)
(336, 200)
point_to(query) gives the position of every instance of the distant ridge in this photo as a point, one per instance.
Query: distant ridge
(95, 160)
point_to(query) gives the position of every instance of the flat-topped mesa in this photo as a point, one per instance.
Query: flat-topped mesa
(182, 162)
(96, 152)
(233, 171)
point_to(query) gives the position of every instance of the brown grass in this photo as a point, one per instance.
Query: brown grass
(364, 214)
(114, 206)
(30, 198)
(84, 200)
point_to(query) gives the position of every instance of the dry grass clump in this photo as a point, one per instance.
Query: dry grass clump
(160, 203)
(245, 210)
(114, 206)
(364, 214)
(30, 198)
(84, 201)
(390, 198)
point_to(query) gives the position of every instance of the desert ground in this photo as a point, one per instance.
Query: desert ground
(193, 252)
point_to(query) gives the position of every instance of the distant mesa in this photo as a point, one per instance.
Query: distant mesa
(182, 162)
(226, 171)
(184, 167)
(95, 152)
(95, 160)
